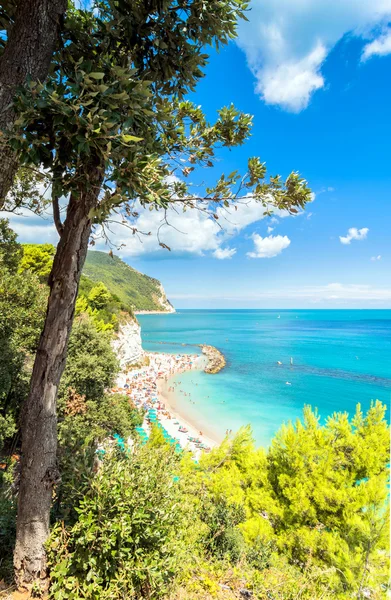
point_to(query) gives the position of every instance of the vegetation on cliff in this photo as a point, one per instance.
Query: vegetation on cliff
(129, 290)
(135, 290)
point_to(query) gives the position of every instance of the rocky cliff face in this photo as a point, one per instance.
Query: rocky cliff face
(164, 302)
(128, 344)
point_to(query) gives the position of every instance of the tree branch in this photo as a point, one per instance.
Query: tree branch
(56, 214)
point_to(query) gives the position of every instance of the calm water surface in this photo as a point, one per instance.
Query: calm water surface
(340, 358)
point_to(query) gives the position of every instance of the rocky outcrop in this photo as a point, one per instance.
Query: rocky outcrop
(161, 299)
(164, 301)
(127, 344)
(216, 360)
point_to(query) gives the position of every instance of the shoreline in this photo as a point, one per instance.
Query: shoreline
(147, 387)
(171, 399)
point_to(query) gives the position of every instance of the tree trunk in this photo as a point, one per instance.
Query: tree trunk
(28, 52)
(39, 472)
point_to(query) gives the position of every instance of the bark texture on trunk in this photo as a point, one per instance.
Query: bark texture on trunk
(28, 52)
(39, 472)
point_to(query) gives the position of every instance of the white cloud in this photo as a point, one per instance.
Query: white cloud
(379, 47)
(270, 229)
(191, 232)
(287, 41)
(354, 234)
(378, 257)
(292, 83)
(268, 247)
(224, 253)
(32, 228)
(248, 211)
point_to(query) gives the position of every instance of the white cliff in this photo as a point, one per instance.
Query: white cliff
(127, 344)
(164, 302)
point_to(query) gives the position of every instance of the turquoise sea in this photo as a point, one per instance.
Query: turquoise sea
(340, 358)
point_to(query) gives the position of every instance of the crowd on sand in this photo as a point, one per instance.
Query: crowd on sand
(141, 385)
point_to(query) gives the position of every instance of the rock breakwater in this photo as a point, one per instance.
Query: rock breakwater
(216, 360)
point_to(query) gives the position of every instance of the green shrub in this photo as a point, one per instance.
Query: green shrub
(224, 539)
(84, 426)
(128, 541)
(7, 523)
(38, 259)
(91, 363)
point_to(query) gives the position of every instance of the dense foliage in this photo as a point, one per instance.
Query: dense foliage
(132, 288)
(38, 259)
(114, 108)
(22, 310)
(128, 540)
(91, 362)
(306, 519)
(87, 413)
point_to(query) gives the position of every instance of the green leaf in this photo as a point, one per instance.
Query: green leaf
(131, 138)
(96, 75)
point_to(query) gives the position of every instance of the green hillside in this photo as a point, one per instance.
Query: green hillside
(134, 289)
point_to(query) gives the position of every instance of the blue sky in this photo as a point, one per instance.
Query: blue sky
(317, 79)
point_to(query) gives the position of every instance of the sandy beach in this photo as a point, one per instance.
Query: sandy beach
(150, 387)
(173, 398)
